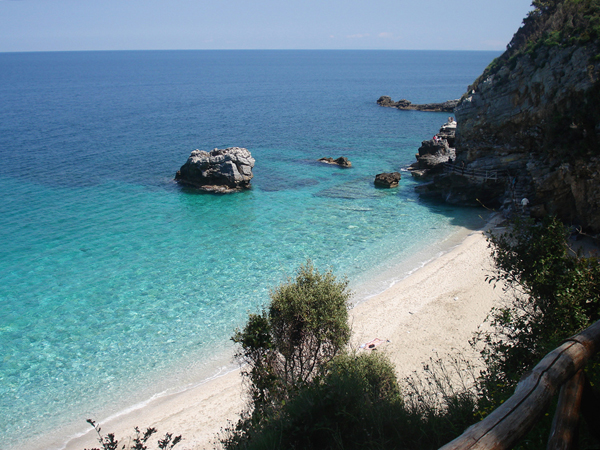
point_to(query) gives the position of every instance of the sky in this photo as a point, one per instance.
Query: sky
(59, 25)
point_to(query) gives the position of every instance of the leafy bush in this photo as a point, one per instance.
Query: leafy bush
(357, 404)
(555, 293)
(352, 406)
(109, 442)
(288, 344)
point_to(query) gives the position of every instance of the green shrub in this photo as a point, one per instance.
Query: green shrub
(357, 404)
(352, 406)
(139, 441)
(288, 344)
(555, 293)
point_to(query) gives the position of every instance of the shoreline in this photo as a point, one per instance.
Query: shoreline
(430, 312)
(435, 310)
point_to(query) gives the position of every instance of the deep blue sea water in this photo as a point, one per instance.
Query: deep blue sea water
(117, 284)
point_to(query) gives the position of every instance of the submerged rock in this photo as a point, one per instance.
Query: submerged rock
(342, 161)
(387, 180)
(220, 170)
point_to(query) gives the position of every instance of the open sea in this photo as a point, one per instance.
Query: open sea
(116, 284)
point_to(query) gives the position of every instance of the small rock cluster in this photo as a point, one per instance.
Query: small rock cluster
(384, 180)
(447, 106)
(230, 170)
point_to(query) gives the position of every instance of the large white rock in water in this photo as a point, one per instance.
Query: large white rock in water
(220, 170)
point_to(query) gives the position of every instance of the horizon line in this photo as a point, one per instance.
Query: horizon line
(249, 50)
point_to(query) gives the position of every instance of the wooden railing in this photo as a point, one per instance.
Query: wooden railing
(560, 369)
(480, 174)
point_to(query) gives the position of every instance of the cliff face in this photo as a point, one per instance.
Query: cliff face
(533, 118)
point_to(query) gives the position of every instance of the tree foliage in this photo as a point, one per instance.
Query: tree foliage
(288, 343)
(349, 407)
(555, 294)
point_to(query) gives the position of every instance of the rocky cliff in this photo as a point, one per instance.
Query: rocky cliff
(435, 154)
(532, 119)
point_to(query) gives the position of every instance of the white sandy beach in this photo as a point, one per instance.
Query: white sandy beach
(431, 313)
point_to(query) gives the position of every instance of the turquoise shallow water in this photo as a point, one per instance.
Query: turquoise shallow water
(115, 283)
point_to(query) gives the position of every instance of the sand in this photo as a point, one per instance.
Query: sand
(431, 313)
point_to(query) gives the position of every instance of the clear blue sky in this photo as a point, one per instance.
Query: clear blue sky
(49, 25)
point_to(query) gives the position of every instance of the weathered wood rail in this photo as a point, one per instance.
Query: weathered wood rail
(560, 369)
(480, 174)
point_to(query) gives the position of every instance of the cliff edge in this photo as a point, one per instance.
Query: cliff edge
(532, 119)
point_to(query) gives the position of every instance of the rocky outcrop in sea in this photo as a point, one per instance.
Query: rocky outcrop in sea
(387, 180)
(220, 170)
(447, 106)
(342, 161)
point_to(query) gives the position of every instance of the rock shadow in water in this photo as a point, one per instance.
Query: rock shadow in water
(274, 183)
(361, 188)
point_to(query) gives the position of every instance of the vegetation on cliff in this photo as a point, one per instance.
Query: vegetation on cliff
(555, 25)
(551, 26)
(553, 292)
(552, 23)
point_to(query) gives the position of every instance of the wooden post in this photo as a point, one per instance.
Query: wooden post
(590, 409)
(563, 435)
